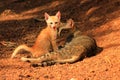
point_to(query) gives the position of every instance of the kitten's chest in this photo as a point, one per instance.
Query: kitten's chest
(54, 34)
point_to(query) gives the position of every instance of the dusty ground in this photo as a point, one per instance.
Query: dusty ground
(97, 18)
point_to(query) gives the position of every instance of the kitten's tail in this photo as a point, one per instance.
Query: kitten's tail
(24, 47)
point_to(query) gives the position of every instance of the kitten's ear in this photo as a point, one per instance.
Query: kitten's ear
(46, 16)
(58, 14)
(71, 22)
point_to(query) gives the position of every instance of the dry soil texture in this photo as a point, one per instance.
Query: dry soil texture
(97, 18)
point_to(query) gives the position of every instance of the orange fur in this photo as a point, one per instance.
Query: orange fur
(45, 39)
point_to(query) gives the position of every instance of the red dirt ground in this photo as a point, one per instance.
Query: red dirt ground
(97, 18)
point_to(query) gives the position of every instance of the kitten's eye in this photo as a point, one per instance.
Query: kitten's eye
(51, 23)
(56, 22)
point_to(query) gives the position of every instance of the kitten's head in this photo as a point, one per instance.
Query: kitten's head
(53, 21)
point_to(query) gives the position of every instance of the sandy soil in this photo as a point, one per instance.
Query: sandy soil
(98, 18)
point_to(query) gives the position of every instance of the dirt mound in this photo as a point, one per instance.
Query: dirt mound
(97, 18)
